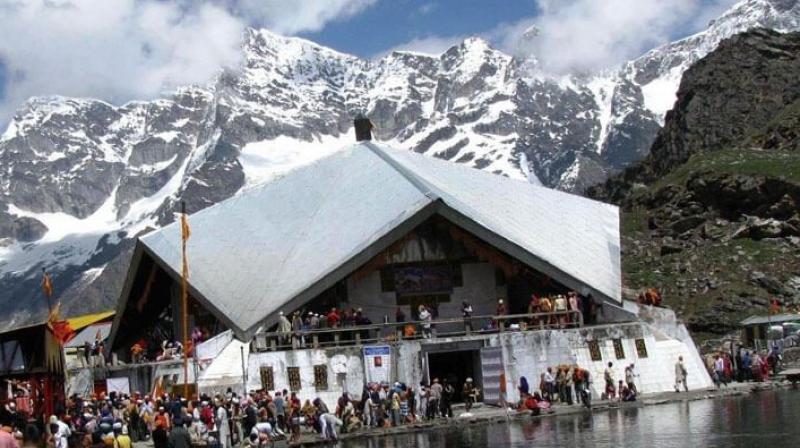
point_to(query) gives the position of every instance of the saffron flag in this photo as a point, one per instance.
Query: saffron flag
(185, 231)
(62, 331)
(47, 284)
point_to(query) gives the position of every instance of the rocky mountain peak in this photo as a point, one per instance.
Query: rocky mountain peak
(711, 217)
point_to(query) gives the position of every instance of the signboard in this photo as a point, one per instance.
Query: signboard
(415, 280)
(119, 385)
(378, 363)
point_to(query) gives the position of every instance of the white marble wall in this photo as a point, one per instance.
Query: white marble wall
(345, 360)
(525, 354)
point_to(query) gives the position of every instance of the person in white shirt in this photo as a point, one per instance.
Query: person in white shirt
(719, 370)
(62, 433)
(426, 317)
(422, 402)
(549, 384)
(222, 425)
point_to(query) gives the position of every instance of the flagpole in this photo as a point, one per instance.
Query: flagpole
(184, 304)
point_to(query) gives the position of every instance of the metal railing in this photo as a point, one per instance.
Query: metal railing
(392, 332)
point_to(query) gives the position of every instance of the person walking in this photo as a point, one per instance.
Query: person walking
(586, 389)
(299, 339)
(719, 371)
(223, 426)
(549, 381)
(608, 375)
(434, 397)
(680, 375)
(423, 395)
(470, 392)
(630, 379)
(569, 384)
(466, 312)
(284, 328)
(179, 436)
(446, 401)
(574, 317)
(560, 305)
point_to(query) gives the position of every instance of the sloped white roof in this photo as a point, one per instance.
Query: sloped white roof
(281, 243)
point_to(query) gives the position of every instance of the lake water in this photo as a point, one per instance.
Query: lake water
(767, 419)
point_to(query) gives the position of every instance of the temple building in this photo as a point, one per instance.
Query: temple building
(381, 233)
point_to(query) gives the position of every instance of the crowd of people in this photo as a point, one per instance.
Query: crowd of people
(745, 365)
(148, 348)
(564, 309)
(224, 420)
(571, 385)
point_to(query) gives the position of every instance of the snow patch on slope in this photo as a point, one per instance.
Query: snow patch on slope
(60, 224)
(602, 89)
(659, 94)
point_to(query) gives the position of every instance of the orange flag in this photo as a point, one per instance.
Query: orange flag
(47, 284)
(62, 331)
(185, 231)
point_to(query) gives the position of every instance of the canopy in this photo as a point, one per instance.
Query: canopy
(225, 370)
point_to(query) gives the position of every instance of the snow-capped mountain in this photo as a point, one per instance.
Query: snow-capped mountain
(80, 177)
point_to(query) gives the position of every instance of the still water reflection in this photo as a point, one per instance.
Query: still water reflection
(766, 419)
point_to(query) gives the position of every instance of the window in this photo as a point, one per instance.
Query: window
(267, 378)
(641, 348)
(594, 351)
(293, 374)
(321, 377)
(619, 351)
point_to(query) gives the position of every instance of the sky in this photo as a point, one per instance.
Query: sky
(123, 50)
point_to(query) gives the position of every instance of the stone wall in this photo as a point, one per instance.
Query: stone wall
(479, 289)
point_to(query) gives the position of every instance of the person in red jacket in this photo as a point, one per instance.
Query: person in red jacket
(333, 318)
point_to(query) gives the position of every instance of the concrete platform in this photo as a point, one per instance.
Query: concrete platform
(488, 414)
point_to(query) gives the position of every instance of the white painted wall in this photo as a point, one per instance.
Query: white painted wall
(347, 360)
(525, 354)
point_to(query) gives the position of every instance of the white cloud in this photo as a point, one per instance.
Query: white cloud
(577, 35)
(295, 16)
(584, 35)
(119, 50)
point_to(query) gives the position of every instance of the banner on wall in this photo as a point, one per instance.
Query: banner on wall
(119, 385)
(377, 363)
(421, 280)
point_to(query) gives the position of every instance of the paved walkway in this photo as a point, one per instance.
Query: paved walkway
(490, 414)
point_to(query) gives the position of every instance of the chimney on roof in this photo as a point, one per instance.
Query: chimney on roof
(363, 128)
